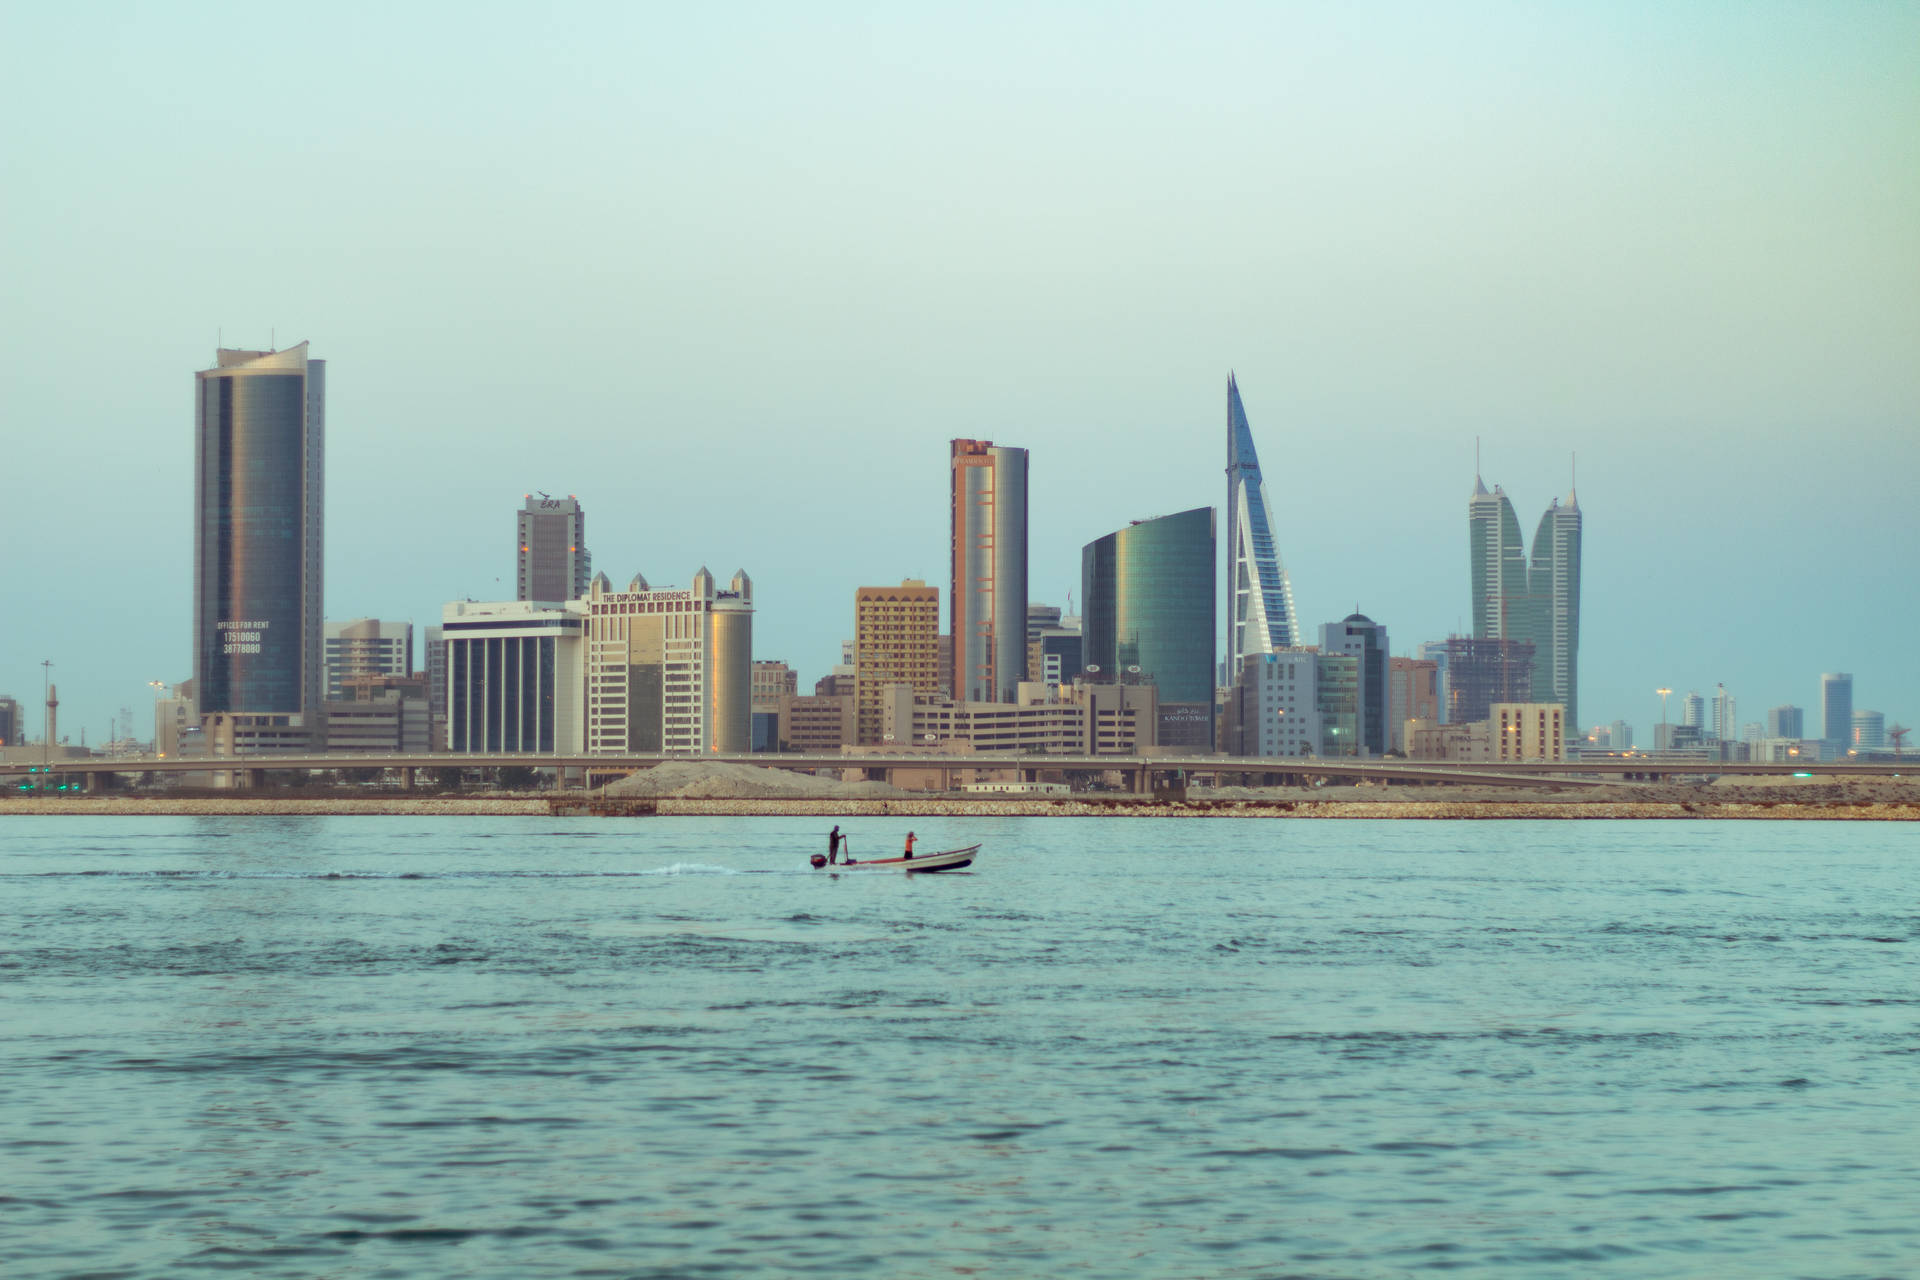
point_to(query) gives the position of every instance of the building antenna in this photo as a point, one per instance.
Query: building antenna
(273, 339)
(1476, 457)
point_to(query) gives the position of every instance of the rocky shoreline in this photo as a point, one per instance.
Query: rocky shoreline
(1529, 807)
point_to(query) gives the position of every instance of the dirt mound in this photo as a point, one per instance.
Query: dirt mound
(716, 780)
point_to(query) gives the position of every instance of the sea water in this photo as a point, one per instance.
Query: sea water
(508, 1047)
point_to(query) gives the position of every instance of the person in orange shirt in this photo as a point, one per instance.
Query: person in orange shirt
(909, 844)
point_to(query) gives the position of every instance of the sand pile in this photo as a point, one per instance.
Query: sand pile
(713, 779)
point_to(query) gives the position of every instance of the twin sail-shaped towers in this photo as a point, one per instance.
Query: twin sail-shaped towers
(1538, 604)
(1260, 616)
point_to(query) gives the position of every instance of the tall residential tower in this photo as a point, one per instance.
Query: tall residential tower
(989, 571)
(260, 430)
(1260, 617)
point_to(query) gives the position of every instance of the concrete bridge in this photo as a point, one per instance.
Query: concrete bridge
(1139, 773)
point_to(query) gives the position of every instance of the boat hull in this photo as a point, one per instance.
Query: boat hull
(949, 860)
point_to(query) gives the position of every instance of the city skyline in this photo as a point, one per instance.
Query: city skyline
(1677, 243)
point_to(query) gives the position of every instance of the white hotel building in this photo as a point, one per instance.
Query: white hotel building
(515, 676)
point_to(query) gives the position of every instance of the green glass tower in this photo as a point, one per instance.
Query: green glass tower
(1148, 614)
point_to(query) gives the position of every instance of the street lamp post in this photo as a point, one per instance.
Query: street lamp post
(46, 701)
(1663, 715)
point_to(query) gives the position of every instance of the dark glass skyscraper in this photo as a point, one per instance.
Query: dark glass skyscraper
(1147, 613)
(258, 458)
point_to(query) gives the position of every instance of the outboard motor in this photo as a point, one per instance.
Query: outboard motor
(818, 860)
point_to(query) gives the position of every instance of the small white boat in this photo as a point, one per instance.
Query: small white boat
(950, 860)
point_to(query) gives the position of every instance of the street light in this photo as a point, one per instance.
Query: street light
(46, 700)
(1663, 714)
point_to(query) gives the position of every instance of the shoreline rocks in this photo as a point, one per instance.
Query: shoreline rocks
(546, 803)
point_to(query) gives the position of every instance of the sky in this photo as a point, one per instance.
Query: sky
(735, 275)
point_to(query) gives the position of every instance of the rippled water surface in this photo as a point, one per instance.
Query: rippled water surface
(664, 1047)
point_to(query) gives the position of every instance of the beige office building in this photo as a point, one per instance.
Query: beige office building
(670, 670)
(772, 681)
(896, 640)
(1078, 719)
(815, 722)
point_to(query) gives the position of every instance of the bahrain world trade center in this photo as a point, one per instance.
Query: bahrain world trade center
(1260, 616)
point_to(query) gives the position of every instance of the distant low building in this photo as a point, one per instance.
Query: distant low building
(384, 714)
(1080, 719)
(1514, 733)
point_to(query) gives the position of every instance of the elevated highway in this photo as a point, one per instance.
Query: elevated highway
(1139, 773)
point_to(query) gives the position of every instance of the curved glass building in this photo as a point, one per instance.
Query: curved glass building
(257, 618)
(1147, 614)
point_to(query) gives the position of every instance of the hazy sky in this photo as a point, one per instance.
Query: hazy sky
(735, 274)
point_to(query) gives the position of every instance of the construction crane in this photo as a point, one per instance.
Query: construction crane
(1898, 737)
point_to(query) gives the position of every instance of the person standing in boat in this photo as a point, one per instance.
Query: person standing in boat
(833, 844)
(909, 844)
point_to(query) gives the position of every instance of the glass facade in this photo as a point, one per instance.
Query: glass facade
(257, 534)
(1148, 611)
(501, 693)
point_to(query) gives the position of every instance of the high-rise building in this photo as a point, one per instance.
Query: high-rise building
(1260, 614)
(258, 540)
(1725, 727)
(1836, 711)
(1869, 731)
(670, 670)
(1541, 604)
(896, 640)
(9, 722)
(553, 559)
(366, 647)
(1366, 642)
(1147, 612)
(1786, 721)
(989, 598)
(1693, 712)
